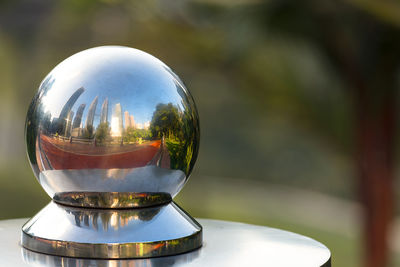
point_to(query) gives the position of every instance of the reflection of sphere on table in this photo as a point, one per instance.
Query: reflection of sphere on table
(113, 127)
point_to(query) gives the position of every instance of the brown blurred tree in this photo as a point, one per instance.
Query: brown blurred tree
(362, 40)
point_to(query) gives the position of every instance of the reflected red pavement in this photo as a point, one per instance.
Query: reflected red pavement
(162, 158)
(86, 156)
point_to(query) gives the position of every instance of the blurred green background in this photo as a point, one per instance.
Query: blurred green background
(277, 106)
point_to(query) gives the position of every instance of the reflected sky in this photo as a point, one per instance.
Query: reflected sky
(149, 88)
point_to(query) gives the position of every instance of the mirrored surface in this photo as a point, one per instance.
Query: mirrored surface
(39, 259)
(111, 233)
(112, 119)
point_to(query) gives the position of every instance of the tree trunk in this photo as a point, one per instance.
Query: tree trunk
(375, 129)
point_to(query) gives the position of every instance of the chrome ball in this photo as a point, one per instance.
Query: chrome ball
(111, 127)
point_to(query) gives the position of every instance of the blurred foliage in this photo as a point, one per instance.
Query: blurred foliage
(274, 99)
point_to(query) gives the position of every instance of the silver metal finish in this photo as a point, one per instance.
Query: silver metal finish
(112, 136)
(112, 234)
(117, 200)
(225, 244)
(112, 120)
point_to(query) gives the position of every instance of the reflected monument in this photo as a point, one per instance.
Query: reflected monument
(112, 172)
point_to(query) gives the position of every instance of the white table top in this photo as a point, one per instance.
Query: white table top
(225, 244)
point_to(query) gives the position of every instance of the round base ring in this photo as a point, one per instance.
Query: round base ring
(110, 233)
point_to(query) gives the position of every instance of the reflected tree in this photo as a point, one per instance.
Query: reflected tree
(132, 135)
(176, 130)
(34, 113)
(88, 132)
(103, 133)
(166, 122)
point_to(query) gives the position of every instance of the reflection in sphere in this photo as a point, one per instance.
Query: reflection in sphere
(112, 127)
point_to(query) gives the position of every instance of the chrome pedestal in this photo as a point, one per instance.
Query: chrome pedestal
(112, 233)
(113, 134)
(226, 244)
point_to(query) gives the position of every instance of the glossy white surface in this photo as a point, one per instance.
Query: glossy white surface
(225, 244)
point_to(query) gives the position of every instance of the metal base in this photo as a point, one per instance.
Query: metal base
(111, 233)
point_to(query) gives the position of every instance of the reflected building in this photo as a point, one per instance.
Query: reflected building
(71, 101)
(104, 112)
(127, 120)
(108, 219)
(68, 124)
(132, 121)
(61, 121)
(76, 125)
(141, 126)
(90, 116)
(116, 121)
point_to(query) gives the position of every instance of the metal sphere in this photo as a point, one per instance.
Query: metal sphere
(111, 127)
